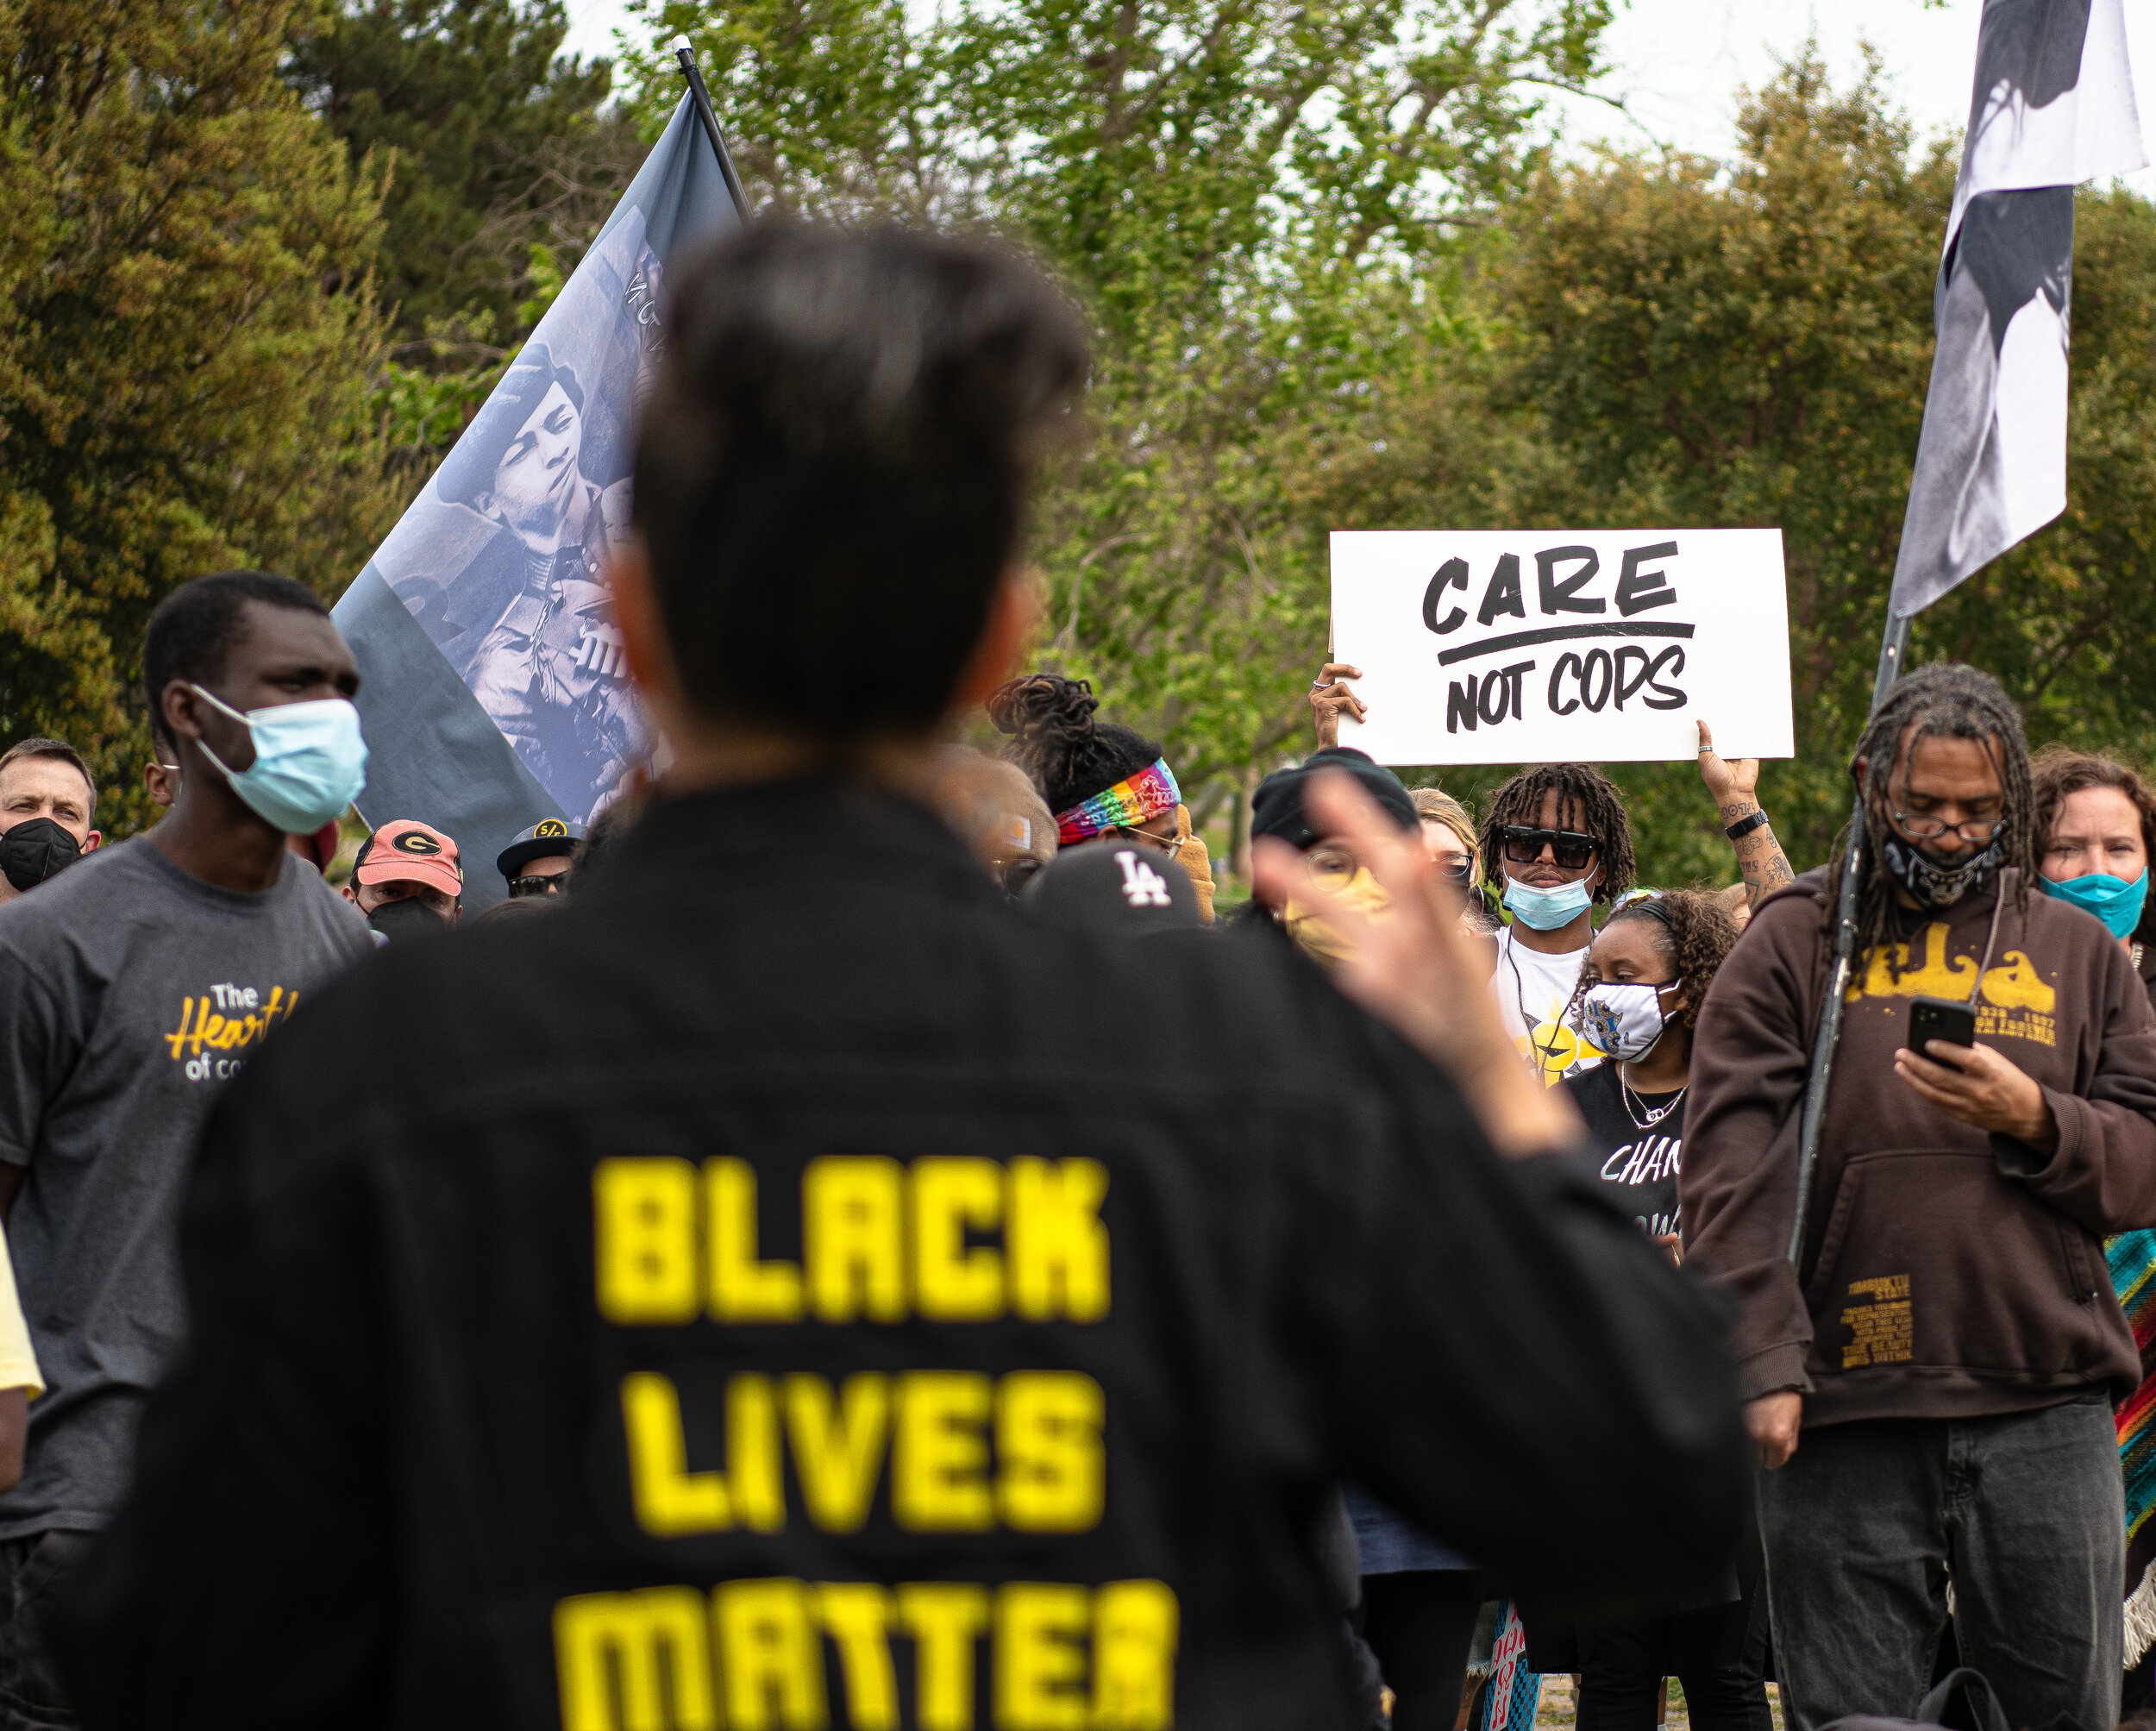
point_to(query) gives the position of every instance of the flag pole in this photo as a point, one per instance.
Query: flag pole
(686, 58)
(1892, 649)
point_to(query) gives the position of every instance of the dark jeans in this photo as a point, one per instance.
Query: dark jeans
(31, 1698)
(2024, 1512)
(1718, 1653)
(1419, 1623)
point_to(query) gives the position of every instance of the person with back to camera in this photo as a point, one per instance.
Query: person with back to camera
(1099, 778)
(1647, 973)
(2096, 823)
(1930, 1386)
(784, 1284)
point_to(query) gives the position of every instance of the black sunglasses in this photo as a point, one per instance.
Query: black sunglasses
(1570, 849)
(538, 884)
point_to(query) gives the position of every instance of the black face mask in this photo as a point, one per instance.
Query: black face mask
(1933, 884)
(408, 918)
(34, 850)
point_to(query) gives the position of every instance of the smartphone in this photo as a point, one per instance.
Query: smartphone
(1940, 1018)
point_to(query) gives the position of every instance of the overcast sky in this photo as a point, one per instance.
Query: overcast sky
(1677, 65)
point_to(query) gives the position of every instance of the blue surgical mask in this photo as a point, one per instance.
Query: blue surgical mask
(2112, 900)
(1546, 910)
(310, 761)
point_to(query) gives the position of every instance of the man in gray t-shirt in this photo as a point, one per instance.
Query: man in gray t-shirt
(134, 985)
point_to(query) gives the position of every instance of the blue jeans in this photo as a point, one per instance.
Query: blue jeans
(2023, 1512)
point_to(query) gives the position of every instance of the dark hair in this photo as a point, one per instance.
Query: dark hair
(60, 752)
(1946, 701)
(832, 466)
(467, 475)
(1070, 756)
(1587, 802)
(1692, 931)
(196, 628)
(2056, 772)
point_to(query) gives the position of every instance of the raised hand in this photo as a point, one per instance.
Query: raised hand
(1330, 699)
(1414, 968)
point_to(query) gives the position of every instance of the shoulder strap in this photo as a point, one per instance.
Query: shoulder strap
(1990, 1716)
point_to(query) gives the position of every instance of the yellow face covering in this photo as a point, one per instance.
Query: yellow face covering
(1363, 894)
(1193, 859)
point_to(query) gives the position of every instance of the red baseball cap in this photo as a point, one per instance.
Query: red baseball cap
(406, 851)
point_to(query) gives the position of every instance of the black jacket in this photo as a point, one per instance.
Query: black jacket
(390, 1481)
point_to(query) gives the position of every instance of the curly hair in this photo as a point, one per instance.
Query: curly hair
(1587, 802)
(1070, 756)
(1691, 931)
(1946, 701)
(2057, 771)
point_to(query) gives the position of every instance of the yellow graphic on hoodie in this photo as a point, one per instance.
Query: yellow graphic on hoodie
(2014, 1002)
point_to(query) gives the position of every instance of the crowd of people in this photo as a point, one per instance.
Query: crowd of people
(1293, 1280)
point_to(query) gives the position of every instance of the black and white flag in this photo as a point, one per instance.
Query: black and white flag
(2053, 105)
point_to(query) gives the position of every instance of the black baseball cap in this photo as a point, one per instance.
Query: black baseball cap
(1276, 807)
(543, 840)
(1113, 886)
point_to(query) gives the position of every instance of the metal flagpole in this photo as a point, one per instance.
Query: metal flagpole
(686, 56)
(1891, 649)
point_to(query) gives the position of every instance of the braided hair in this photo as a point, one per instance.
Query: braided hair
(1070, 756)
(1691, 931)
(1946, 701)
(1586, 801)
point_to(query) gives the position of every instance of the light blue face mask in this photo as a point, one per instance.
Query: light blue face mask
(1545, 910)
(310, 761)
(2112, 900)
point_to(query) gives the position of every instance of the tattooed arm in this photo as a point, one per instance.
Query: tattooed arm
(1759, 856)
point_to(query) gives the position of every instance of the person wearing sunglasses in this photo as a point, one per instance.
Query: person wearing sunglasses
(537, 862)
(1930, 1370)
(1555, 844)
(1099, 778)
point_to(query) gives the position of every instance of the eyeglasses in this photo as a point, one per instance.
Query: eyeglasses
(1977, 830)
(1570, 849)
(1170, 845)
(1334, 861)
(542, 884)
(1459, 869)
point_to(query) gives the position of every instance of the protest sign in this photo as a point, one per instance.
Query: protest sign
(1497, 646)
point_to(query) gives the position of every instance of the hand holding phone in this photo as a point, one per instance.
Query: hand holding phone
(1940, 1018)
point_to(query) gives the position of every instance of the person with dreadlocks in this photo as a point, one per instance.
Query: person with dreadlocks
(1099, 778)
(1929, 1381)
(1555, 843)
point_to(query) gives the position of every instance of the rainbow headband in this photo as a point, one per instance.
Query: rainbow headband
(1130, 802)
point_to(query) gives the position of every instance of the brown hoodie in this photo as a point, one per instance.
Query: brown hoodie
(1947, 1272)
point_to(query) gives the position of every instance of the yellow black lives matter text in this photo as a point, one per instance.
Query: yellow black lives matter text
(949, 1239)
(750, 1656)
(879, 1241)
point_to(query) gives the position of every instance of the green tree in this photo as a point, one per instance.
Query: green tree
(1246, 200)
(186, 336)
(489, 140)
(1673, 345)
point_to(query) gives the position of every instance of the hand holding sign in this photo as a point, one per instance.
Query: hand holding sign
(1497, 646)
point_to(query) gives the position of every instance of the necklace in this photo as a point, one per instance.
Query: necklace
(1628, 1094)
(1545, 1056)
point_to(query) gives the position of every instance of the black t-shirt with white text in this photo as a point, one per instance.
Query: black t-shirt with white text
(1640, 1164)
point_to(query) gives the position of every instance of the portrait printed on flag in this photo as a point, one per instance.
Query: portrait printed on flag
(503, 559)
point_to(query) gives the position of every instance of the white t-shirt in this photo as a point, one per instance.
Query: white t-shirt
(1533, 989)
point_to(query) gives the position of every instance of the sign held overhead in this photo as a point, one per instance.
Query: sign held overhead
(1493, 646)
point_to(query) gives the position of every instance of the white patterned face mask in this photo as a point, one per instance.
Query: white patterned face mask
(1623, 1021)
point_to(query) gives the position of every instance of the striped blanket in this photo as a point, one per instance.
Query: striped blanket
(2132, 1260)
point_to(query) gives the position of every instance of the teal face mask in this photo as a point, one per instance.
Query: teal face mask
(310, 761)
(1546, 910)
(2112, 900)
